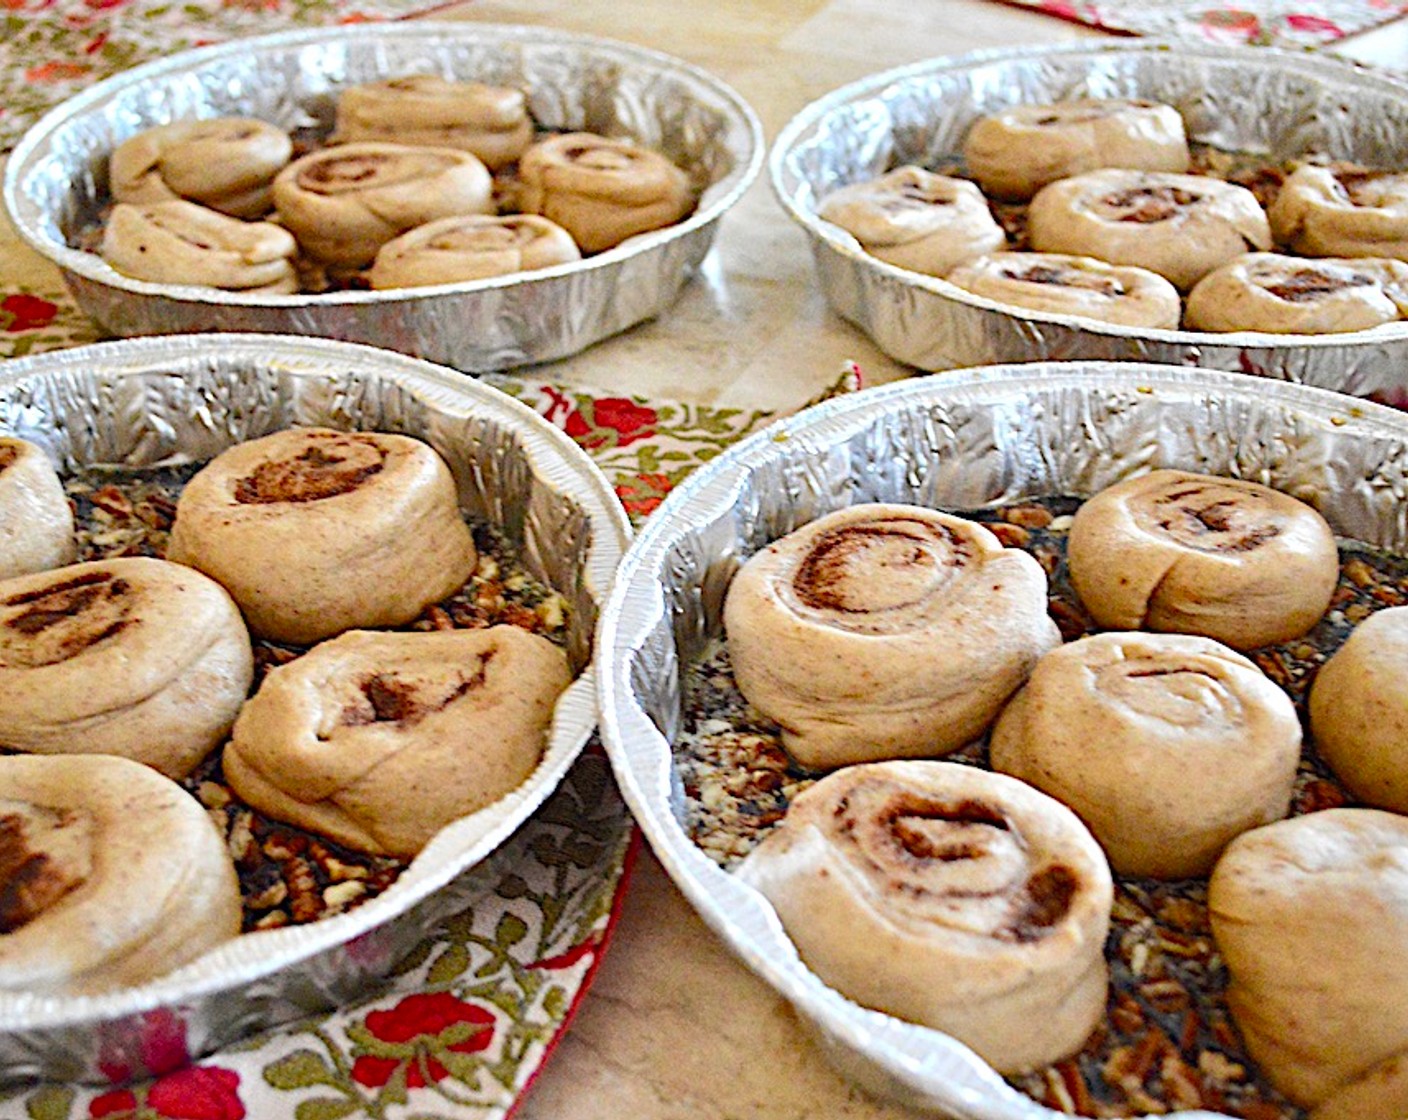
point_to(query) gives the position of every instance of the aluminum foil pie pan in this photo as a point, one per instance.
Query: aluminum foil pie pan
(1238, 99)
(56, 182)
(972, 439)
(161, 402)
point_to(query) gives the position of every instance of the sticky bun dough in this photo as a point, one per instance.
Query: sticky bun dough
(1359, 710)
(1291, 295)
(1166, 745)
(112, 875)
(1342, 212)
(314, 531)
(182, 243)
(474, 247)
(1180, 226)
(379, 740)
(36, 523)
(1380, 1094)
(916, 219)
(948, 896)
(1196, 554)
(1016, 152)
(426, 110)
(602, 190)
(344, 203)
(134, 657)
(225, 163)
(1311, 916)
(883, 631)
(1067, 285)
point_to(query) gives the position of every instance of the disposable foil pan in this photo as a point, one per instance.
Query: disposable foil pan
(57, 177)
(165, 401)
(1278, 103)
(971, 439)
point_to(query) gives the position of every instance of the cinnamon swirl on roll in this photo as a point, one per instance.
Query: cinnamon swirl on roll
(345, 203)
(602, 190)
(1343, 212)
(379, 740)
(36, 523)
(882, 631)
(948, 896)
(1291, 295)
(1067, 285)
(227, 164)
(134, 657)
(916, 219)
(427, 110)
(1190, 553)
(1308, 914)
(315, 531)
(1180, 226)
(110, 875)
(182, 243)
(1167, 746)
(471, 248)
(1016, 152)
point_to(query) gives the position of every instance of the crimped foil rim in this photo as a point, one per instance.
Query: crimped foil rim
(554, 459)
(787, 189)
(91, 266)
(923, 1060)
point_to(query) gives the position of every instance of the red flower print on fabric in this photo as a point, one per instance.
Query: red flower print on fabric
(21, 312)
(416, 1034)
(1315, 25)
(643, 494)
(605, 422)
(198, 1093)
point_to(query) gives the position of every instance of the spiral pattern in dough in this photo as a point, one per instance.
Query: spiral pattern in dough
(881, 631)
(1180, 226)
(227, 164)
(948, 896)
(453, 250)
(1066, 285)
(426, 110)
(182, 243)
(346, 202)
(132, 657)
(1344, 212)
(915, 219)
(602, 190)
(315, 531)
(1196, 554)
(1016, 152)
(36, 523)
(1167, 745)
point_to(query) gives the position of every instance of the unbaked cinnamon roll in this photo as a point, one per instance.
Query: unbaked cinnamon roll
(132, 657)
(315, 531)
(1343, 212)
(1065, 285)
(36, 523)
(110, 875)
(227, 164)
(1167, 745)
(916, 219)
(379, 740)
(1195, 554)
(427, 110)
(345, 203)
(1292, 295)
(1308, 913)
(1016, 152)
(182, 243)
(1180, 226)
(602, 190)
(471, 248)
(883, 631)
(948, 896)
(1359, 710)
(1380, 1094)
